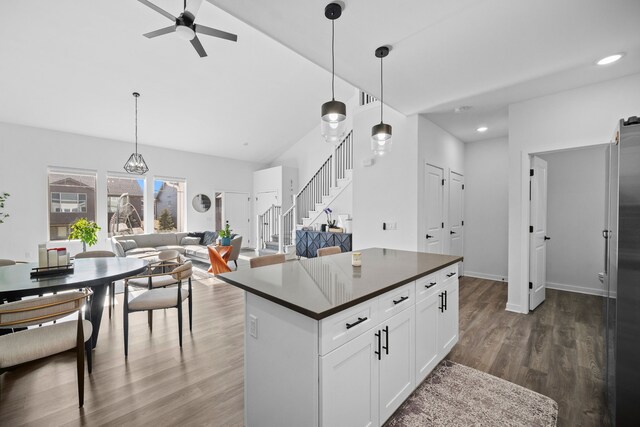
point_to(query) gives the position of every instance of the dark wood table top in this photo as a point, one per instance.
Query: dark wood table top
(15, 280)
(320, 287)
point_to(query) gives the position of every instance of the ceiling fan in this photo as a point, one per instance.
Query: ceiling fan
(185, 26)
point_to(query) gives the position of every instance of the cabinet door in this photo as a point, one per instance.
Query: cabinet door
(397, 364)
(427, 316)
(448, 320)
(349, 383)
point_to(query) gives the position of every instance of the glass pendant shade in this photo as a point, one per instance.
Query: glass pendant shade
(381, 141)
(136, 165)
(333, 120)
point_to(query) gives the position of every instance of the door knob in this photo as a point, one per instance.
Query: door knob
(547, 238)
(452, 232)
(429, 236)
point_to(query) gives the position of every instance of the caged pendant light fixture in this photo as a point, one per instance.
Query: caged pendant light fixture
(136, 164)
(381, 133)
(334, 113)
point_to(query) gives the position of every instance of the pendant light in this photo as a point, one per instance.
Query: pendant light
(334, 113)
(136, 164)
(381, 133)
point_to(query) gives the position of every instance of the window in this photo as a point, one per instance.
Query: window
(71, 196)
(168, 205)
(125, 205)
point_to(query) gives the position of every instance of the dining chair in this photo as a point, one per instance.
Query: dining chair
(36, 343)
(331, 250)
(6, 262)
(112, 285)
(159, 298)
(262, 261)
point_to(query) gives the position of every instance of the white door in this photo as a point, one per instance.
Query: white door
(448, 316)
(349, 383)
(264, 200)
(537, 232)
(456, 213)
(434, 185)
(235, 209)
(397, 374)
(426, 336)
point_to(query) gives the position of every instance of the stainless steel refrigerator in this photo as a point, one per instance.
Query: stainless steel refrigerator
(622, 275)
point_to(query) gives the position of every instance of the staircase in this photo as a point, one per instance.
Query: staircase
(276, 230)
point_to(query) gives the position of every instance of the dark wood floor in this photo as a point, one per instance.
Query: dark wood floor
(555, 351)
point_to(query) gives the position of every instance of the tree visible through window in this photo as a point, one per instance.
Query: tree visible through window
(71, 196)
(168, 205)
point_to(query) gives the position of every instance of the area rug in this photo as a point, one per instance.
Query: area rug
(456, 395)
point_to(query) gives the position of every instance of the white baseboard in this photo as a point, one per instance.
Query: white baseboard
(485, 276)
(578, 289)
(516, 308)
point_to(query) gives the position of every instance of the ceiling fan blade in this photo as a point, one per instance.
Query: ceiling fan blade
(160, 32)
(193, 6)
(216, 33)
(159, 10)
(195, 42)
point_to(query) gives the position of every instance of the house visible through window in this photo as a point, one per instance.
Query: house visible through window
(71, 196)
(168, 205)
(125, 205)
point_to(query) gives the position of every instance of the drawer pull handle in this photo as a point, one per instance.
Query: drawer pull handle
(386, 334)
(378, 338)
(360, 320)
(398, 301)
(451, 274)
(431, 284)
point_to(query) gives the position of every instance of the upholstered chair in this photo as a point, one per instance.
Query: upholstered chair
(6, 262)
(52, 338)
(157, 298)
(331, 250)
(262, 261)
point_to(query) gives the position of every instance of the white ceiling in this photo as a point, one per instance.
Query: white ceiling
(71, 65)
(484, 53)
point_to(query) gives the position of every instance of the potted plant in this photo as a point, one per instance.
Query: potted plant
(86, 231)
(225, 235)
(330, 222)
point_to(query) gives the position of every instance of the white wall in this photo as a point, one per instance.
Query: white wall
(486, 204)
(27, 153)
(387, 190)
(575, 219)
(575, 118)
(439, 148)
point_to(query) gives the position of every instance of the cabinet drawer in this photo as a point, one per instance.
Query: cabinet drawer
(428, 285)
(449, 272)
(346, 325)
(395, 301)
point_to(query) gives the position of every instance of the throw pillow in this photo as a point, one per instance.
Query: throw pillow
(209, 238)
(198, 234)
(127, 245)
(189, 240)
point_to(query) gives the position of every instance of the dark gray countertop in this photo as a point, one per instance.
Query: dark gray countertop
(322, 286)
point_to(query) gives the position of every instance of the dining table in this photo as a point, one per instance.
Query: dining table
(94, 273)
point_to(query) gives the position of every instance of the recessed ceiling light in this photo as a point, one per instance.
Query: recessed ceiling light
(462, 108)
(482, 129)
(610, 59)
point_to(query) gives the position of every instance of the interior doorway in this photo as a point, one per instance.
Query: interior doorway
(234, 207)
(456, 217)
(434, 209)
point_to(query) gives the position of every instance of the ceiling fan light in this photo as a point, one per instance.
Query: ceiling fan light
(185, 32)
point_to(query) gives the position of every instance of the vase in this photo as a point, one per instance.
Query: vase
(323, 227)
(225, 241)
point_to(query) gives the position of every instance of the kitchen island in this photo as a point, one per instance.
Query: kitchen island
(329, 344)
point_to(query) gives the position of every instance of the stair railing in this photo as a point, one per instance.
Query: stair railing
(268, 225)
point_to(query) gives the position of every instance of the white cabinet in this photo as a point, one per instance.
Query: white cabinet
(448, 319)
(349, 383)
(427, 313)
(436, 321)
(365, 380)
(397, 360)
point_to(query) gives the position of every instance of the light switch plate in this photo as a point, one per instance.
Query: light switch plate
(253, 326)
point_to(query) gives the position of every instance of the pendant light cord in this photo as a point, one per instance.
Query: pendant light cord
(381, 91)
(333, 61)
(136, 126)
